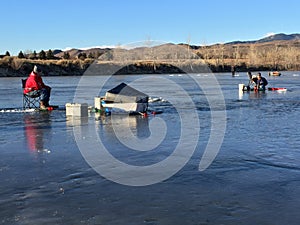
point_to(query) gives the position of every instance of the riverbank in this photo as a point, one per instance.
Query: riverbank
(14, 67)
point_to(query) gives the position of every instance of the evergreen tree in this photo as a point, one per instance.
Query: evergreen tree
(81, 56)
(42, 54)
(34, 54)
(66, 55)
(21, 55)
(7, 53)
(91, 55)
(50, 54)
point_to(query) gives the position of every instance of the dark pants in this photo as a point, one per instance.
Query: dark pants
(44, 93)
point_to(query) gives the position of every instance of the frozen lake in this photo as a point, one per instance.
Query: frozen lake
(51, 170)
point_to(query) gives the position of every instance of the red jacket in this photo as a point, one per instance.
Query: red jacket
(34, 82)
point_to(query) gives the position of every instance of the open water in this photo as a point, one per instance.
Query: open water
(47, 176)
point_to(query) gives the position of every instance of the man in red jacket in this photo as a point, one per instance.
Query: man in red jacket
(35, 86)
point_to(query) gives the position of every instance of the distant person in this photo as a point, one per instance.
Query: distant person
(35, 86)
(260, 82)
(233, 70)
(249, 75)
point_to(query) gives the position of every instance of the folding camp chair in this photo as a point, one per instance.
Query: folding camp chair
(30, 101)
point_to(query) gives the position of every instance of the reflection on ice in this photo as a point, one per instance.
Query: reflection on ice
(37, 128)
(136, 124)
(76, 121)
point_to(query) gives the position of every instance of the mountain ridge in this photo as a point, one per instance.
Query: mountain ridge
(270, 38)
(75, 52)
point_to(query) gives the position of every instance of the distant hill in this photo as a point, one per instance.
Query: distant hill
(56, 51)
(275, 37)
(280, 37)
(96, 52)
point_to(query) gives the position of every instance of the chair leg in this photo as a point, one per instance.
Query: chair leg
(30, 103)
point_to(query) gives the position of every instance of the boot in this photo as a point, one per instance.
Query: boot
(46, 104)
(42, 105)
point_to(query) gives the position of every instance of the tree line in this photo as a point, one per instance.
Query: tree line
(49, 55)
(34, 55)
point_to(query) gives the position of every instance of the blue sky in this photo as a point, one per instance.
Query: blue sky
(29, 25)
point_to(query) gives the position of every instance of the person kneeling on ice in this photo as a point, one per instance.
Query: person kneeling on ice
(252, 81)
(35, 86)
(260, 82)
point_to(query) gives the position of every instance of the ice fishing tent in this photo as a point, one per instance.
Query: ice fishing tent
(123, 93)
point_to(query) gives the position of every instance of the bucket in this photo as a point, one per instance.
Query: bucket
(241, 88)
